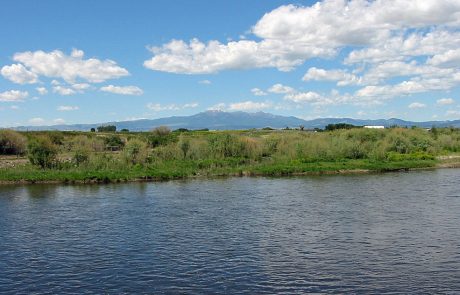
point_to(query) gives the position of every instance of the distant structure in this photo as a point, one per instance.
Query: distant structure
(375, 127)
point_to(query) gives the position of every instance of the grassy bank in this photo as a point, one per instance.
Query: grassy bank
(162, 155)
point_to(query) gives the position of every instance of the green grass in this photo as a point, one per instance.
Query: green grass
(91, 157)
(186, 169)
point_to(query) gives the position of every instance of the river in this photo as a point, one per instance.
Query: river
(375, 233)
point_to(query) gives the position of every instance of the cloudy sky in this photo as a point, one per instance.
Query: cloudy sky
(96, 61)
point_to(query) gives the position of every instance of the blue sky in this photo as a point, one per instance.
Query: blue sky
(98, 61)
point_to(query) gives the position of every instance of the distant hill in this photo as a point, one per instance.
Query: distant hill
(219, 120)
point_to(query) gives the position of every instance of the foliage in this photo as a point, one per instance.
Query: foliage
(331, 127)
(161, 131)
(114, 142)
(42, 152)
(136, 151)
(162, 154)
(12, 142)
(107, 128)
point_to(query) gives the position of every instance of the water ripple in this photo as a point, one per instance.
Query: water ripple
(361, 234)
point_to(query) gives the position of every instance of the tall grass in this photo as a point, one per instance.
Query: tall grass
(163, 154)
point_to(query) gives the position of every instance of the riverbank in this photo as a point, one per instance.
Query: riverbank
(32, 175)
(97, 157)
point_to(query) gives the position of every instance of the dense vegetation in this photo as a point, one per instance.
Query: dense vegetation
(162, 154)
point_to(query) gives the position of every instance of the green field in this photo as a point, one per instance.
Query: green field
(162, 154)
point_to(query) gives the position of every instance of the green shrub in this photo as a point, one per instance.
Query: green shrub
(42, 152)
(12, 143)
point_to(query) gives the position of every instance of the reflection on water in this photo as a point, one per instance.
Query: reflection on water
(384, 233)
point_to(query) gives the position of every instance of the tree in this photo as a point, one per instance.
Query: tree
(93, 130)
(301, 127)
(42, 152)
(107, 128)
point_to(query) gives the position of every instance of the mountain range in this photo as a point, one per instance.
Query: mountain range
(220, 120)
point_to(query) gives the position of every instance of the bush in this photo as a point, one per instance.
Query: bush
(114, 142)
(42, 152)
(135, 152)
(161, 131)
(12, 143)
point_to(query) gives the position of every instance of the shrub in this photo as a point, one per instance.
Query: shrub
(114, 142)
(161, 131)
(12, 143)
(184, 145)
(135, 152)
(42, 152)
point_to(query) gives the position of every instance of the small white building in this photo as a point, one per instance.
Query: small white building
(374, 127)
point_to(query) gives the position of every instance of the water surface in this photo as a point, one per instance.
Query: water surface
(379, 233)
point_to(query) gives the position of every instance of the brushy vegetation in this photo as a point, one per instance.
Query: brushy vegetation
(162, 154)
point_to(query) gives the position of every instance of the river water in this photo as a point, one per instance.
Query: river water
(377, 233)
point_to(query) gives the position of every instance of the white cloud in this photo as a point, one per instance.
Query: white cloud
(205, 82)
(341, 76)
(13, 95)
(249, 106)
(124, 90)
(14, 107)
(58, 121)
(453, 113)
(56, 64)
(417, 105)
(217, 107)
(445, 101)
(17, 73)
(291, 34)
(42, 90)
(304, 97)
(67, 108)
(258, 92)
(81, 86)
(36, 121)
(157, 107)
(450, 58)
(280, 89)
(62, 90)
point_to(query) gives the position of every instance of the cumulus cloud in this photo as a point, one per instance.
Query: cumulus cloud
(445, 101)
(249, 106)
(62, 90)
(417, 41)
(341, 76)
(81, 86)
(417, 105)
(17, 73)
(13, 95)
(280, 89)
(157, 107)
(56, 64)
(67, 108)
(304, 97)
(123, 90)
(258, 92)
(291, 34)
(42, 90)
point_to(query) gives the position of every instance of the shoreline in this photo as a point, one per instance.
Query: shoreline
(453, 165)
